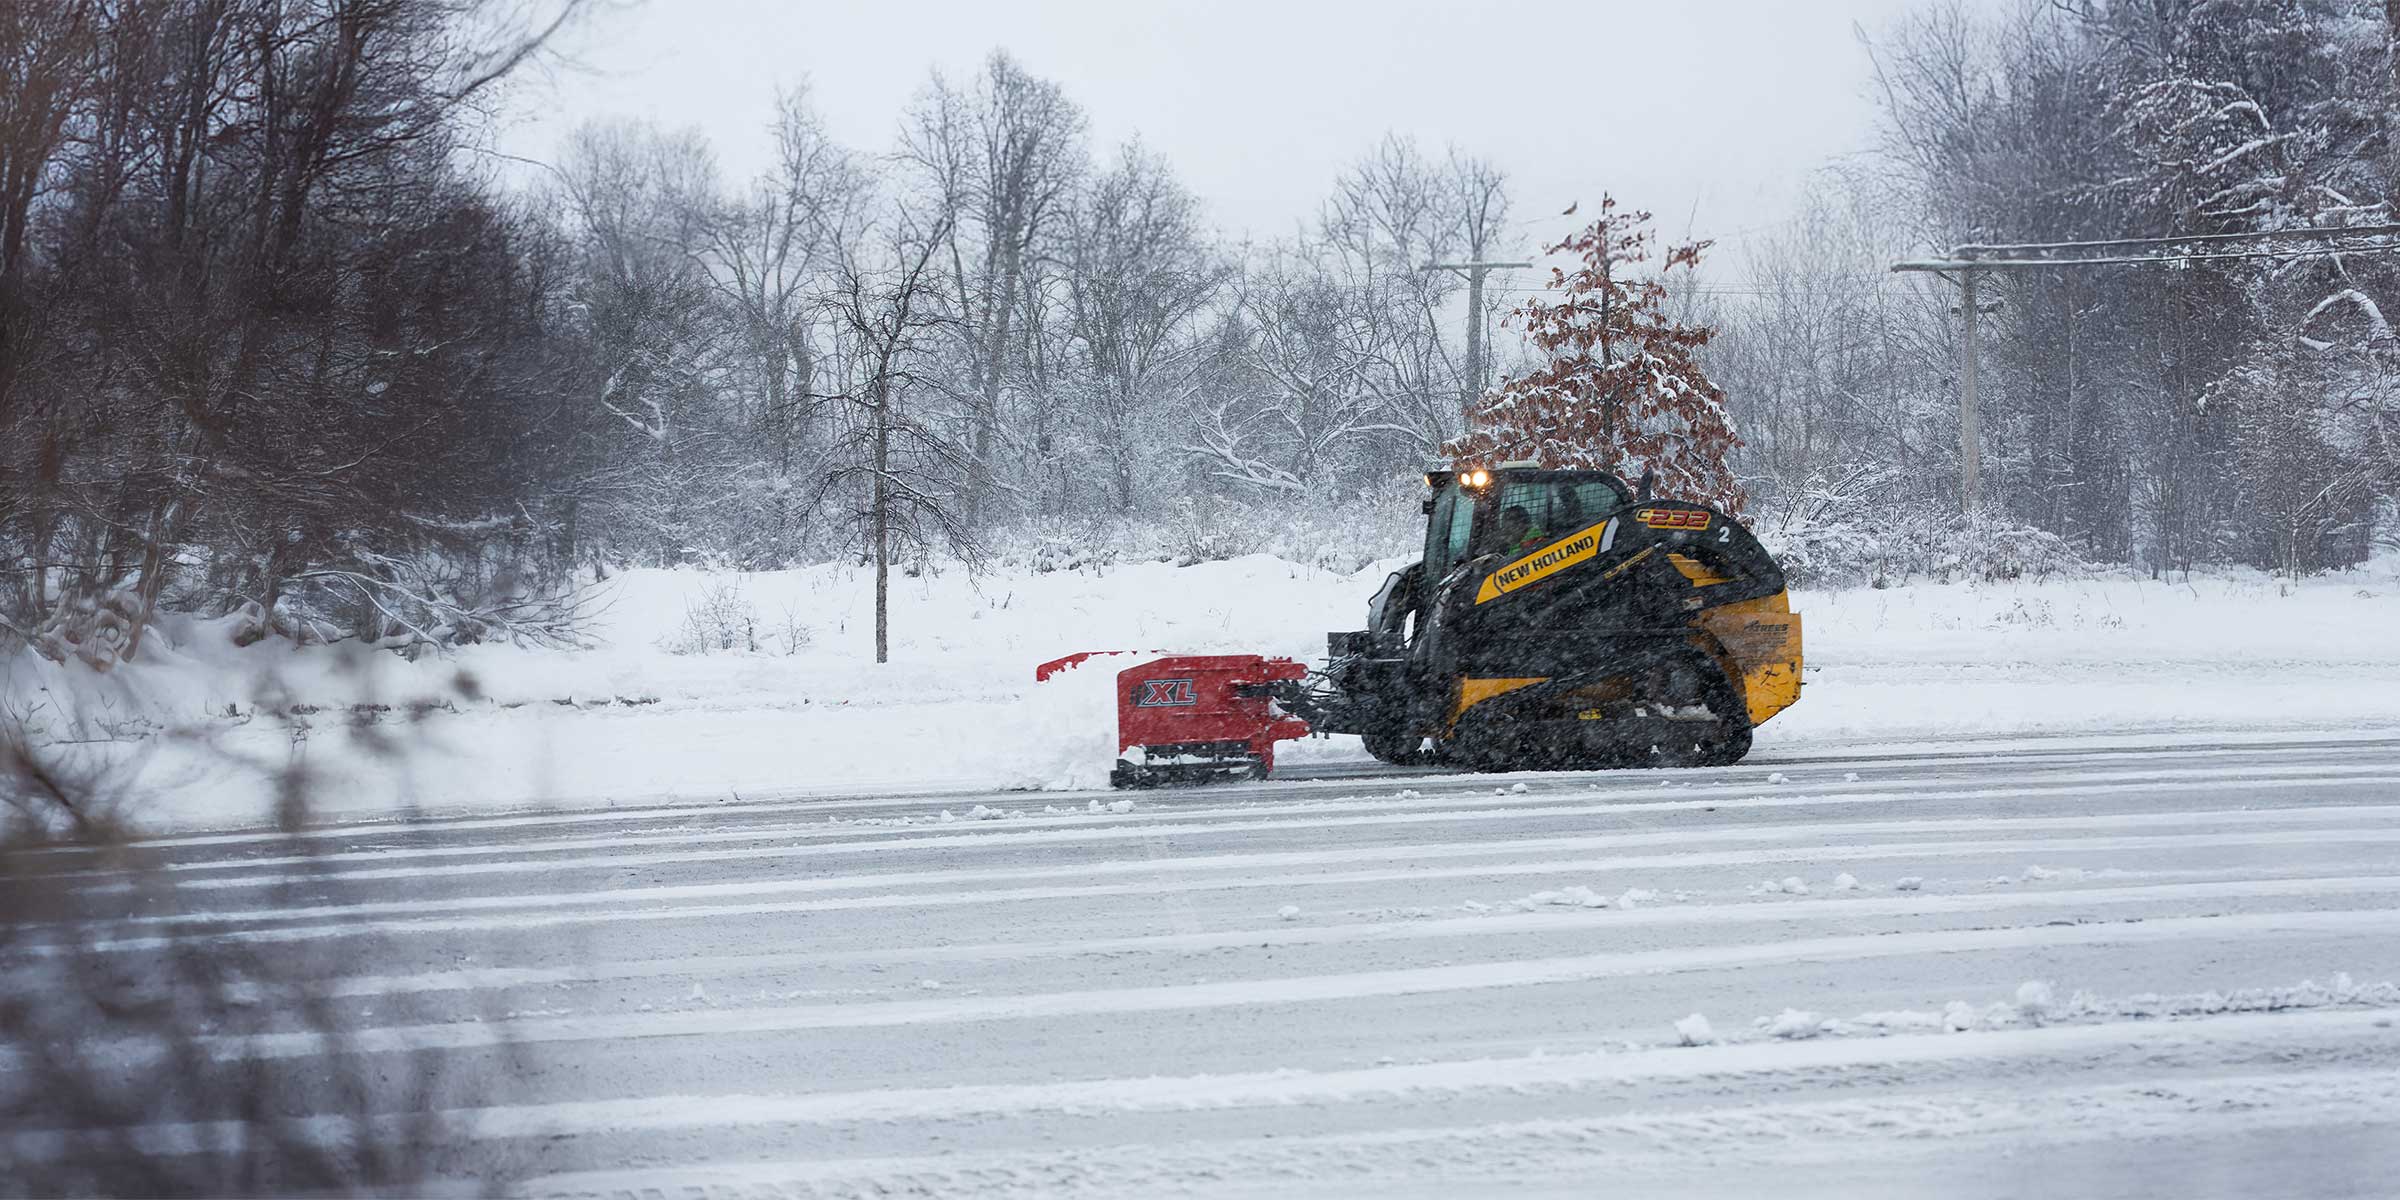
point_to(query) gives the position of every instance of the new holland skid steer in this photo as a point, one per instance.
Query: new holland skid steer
(1557, 619)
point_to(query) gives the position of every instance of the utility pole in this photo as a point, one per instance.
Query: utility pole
(1970, 410)
(1474, 271)
(1969, 368)
(1970, 434)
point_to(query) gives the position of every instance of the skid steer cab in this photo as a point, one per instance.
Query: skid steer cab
(1560, 619)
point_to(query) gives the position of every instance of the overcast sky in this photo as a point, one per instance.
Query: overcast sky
(1711, 113)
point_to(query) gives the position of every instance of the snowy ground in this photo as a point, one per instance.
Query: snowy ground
(629, 722)
(2149, 970)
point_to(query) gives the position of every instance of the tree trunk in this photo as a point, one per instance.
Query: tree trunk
(987, 418)
(987, 415)
(880, 510)
(153, 575)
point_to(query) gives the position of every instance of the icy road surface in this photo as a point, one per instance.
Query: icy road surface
(2141, 971)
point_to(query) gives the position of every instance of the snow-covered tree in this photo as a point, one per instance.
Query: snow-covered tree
(1623, 390)
(2130, 407)
(999, 160)
(1139, 273)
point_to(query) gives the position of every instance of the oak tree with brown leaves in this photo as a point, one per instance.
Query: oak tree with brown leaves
(1622, 391)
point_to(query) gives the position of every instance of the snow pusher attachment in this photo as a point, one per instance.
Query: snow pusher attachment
(1560, 618)
(1195, 718)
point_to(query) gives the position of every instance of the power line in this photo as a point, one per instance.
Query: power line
(1879, 281)
(2265, 235)
(2028, 264)
(2034, 255)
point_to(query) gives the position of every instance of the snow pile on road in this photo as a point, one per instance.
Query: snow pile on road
(1579, 896)
(798, 706)
(2036, 999)
(2036, 1003)
(1571, 896)
(1066, 728)
(1792, 1023)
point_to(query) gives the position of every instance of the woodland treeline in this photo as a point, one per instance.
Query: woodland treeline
(281, 336)
(278, 337)
(2231, 410)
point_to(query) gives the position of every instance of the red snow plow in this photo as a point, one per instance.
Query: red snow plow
(1194, 718)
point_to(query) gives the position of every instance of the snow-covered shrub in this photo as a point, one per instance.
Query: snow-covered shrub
(1835, 555)
(1842, 530)
(410, 602)
(1836, 537)
(1994, 548)
(2034, 615)
(791, 633)
(1197, 533)
(716, 619)
(1062, 546)
(1334, 535)
(94, 630)
(1850, 533)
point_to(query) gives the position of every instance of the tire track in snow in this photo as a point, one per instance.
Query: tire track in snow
(1255, 817)
(1581, 1154)
(1833, 907)
(674, 900)
(1148, 835)
(2182, 1044)
(1315, 989)
(1829, 907)
(1283, 794)
(597, 909)
(979, 1071)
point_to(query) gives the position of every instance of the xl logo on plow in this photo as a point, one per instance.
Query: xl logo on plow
(1166, 693)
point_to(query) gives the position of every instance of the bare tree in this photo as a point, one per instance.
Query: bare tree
(1345, 342)
(898, 468)
(45, 53)
(1308, 402)
(769, 250)
(1140, 273)
(1835, 365)
(999, 161)
(245, 218)
(649, 310)
(1393, 213)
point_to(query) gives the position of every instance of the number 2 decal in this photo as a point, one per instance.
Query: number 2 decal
(1724, 533)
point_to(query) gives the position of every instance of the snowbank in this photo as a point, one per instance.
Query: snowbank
(807, 710)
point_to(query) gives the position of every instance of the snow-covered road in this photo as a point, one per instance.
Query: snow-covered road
(2069, 970)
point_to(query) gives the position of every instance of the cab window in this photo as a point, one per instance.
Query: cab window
(1531, 513)
(1446, 534)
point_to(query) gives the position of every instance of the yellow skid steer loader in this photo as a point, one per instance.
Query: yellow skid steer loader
(1559, 618)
